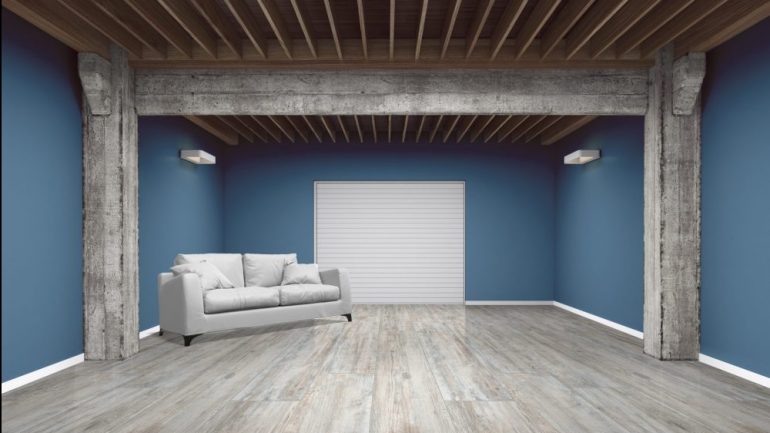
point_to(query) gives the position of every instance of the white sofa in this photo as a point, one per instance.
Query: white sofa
(187, 309)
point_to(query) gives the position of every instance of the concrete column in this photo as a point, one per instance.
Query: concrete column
(110, 207)
(671, 219)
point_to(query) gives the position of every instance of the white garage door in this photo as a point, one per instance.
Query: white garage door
(403, 242)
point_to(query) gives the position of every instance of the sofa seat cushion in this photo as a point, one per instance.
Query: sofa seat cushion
(240, 298)
(295, 294)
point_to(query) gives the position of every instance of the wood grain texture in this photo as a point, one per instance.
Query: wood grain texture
(395, 369)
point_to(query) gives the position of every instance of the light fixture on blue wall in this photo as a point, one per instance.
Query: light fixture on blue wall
(198, 157)
(581, 156)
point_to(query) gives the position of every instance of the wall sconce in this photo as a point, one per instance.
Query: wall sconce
(581, 157)
(198, 157)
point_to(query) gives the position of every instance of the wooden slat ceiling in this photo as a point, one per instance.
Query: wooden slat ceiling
(499, 129)
(391, 33)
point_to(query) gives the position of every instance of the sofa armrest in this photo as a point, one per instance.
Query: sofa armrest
(339, 277)
(180, 302)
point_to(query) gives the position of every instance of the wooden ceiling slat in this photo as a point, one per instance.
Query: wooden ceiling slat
(503, 28)
(362, 26)
(406, 127)
(724, 23)
(59, 22)
(390, 127)
(621, 22)
(374, 128)
(451, 128)
(419, 129)
(248, 23)
(193, 23)
(534, 23)
(157, 17)
(477, 25)
(495, 126)
(655, 19)
(303, 19)
(596, 17)
(333, 27)
(468, 123)
(541, 127)
(252, 126)
(562, 23)
(678, 25)
(329, 128)
(133, 23)
(358, 127)
(392, 30)
(218, 21)
(510, 127)
(343, 129)
(528, 124)
(420, 29)
(314, 128)
(268, 125)
(449, 25)
(277, 24)
(215, 127)
(564, 127)
(296, 124)
(435, 128)
(482, 126)
(104, 24)
(236, 126)
(286, 127)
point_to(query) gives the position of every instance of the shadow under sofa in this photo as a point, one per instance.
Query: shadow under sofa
(181, 299)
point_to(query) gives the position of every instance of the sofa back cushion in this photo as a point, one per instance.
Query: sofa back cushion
(230, 264)
(266, 270)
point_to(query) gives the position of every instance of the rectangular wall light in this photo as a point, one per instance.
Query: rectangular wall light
(198, 157)
(581, 156)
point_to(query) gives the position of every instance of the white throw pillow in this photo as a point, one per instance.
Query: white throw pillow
(266, 270)
(296, 273)
(211, 277)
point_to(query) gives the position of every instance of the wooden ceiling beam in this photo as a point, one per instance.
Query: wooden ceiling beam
(596, 17)
(562, 23)
(252, 126)
(621, 22)
(390, 127)
(678, 25)
(362, 27)
(495, 126)
(482, 126)
(533, 24)
(249, 25)
(567, 125)
(105, 25)
(483, 9)
(62, 24)
(406, 127)
(333, 27)
(508, 130)
(466, 126)
(541, 127)
(343, 129)
(314, 128)
(449, 25)
(283, 125)
(451, 128)
(435, 128)
(419, 129)
(526, 126)
(329, 128)
(215, 16)
(729, 20)
(420, 29)
(157, 17)
(358, 127)
(505, 25)
(122, 14)
(303, 19)
(215, 127)
(237, 126)
(655, 19)
(374, 128)
(392, 30)
(297, 125)
(193, 23)
(276, 22)
(269, 126)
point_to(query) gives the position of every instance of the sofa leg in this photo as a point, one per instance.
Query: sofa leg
(349, 316)
(160, 332)
(188, 339)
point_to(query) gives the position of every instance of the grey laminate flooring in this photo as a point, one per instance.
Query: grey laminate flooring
(395, 369)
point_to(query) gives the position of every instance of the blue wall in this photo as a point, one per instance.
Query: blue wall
(735, 286)
(599, 221)
(509, 204)
(180, 204)
(42, 316)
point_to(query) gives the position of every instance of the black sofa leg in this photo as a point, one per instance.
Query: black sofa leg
(349, 316)
(188, 339)
(160, 332)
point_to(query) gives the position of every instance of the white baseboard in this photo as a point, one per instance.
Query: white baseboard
(149, 331)
(735, 370)
(41, 373)
(508, 302)
(622, 328)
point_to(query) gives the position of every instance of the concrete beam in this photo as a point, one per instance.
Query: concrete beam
(413, 92)
(671, 220)
(689, 72)
(95, 74)
(110, 214)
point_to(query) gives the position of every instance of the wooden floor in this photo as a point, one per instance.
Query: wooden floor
(395, 369)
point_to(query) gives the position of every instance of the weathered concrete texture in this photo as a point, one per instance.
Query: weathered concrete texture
(253, 92)
(689, 72)
(671, 221)
(95, 73)
(110, 220)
